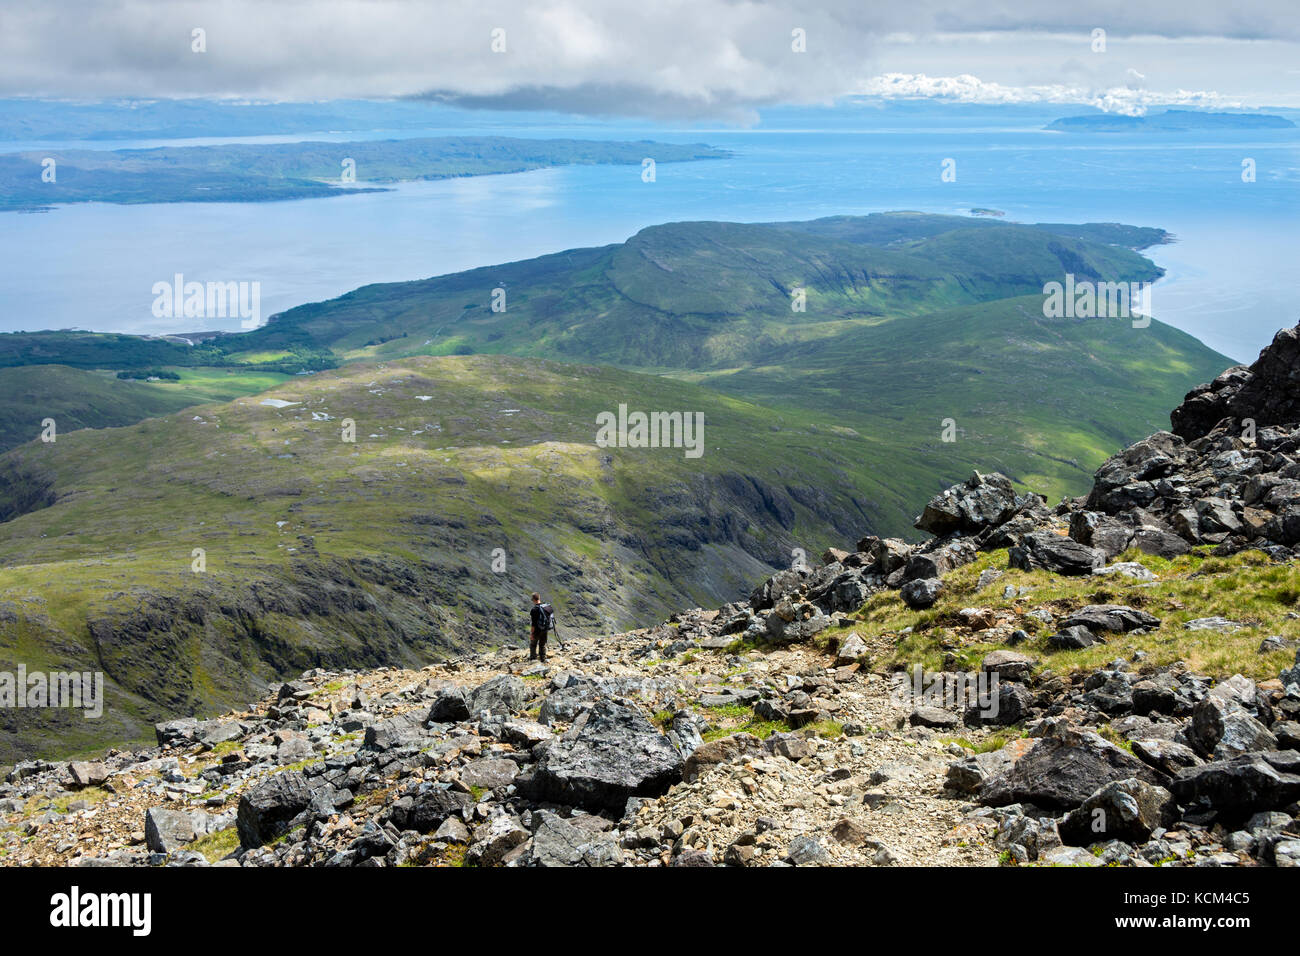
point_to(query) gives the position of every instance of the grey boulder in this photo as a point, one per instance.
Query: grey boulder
(612, 752)
(501, 695)
(1043, 550)
(266, 809)
(1064, 768)
(921, 593)
(1125, 810)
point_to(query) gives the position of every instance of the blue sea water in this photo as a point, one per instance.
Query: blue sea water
(1230, 276)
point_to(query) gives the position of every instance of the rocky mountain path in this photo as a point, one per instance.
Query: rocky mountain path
(873, 797)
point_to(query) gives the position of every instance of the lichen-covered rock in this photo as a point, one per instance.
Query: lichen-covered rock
(980, 502)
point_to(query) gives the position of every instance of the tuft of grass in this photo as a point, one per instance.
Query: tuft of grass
(994, 741)
(285, 835)
(373, 796)
(739, 646)
(762, 729)
(1107, 732)
(60, 804)
(830, 729)
(454, 855)
(217, 846)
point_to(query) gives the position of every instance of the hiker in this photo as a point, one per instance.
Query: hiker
(542, 618)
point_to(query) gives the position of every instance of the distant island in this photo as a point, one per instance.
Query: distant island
(982, 211)
(1168, 121)
(268, 172)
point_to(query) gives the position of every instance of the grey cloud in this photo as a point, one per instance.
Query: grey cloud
(608, 100)
(683, 58)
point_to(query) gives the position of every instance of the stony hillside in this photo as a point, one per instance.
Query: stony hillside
(1113, 681)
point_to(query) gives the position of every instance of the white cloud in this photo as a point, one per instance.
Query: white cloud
(971, 89)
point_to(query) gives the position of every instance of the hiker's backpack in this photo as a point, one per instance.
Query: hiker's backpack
(548, 618)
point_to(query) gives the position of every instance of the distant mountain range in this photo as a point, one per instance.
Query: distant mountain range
(1168, 121)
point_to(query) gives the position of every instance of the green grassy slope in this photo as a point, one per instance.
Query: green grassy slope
(884, 228)
(1044, 401)
(910, 319)
(693, 295)
(320, 551)
(98, 350)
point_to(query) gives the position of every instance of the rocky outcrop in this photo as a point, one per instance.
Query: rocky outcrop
(971, 507)
(1268, 392)
(1241, 786)
(1164, 495)
(1129, 810)
(265, 811)
(1063, 770)
(1043, 550)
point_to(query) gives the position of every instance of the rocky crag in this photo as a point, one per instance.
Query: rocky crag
(779, 731)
